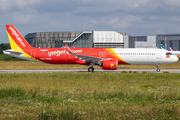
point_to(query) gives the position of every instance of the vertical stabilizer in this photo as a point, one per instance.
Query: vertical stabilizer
(17, 41)
(162, 47)
(20, 48)
(170, 49)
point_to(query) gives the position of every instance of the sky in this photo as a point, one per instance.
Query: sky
(134, 17)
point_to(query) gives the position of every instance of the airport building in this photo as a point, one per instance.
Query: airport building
(168, 40)
(144, 41)
(85, 39)
(49, 39)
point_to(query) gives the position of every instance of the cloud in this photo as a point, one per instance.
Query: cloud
(140, 17)
(10, 5)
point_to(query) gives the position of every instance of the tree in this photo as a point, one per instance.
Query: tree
(4, 47)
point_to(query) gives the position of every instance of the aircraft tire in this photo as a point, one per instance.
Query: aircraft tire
(90, 69)
(158, 70)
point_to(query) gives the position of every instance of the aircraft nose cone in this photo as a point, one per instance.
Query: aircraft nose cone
(175, 58)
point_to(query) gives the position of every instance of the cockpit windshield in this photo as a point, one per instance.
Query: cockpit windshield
(169, 53)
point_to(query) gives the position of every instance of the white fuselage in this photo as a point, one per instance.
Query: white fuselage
(146, 56)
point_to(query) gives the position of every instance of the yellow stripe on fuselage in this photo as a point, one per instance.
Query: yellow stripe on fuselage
(111, 50)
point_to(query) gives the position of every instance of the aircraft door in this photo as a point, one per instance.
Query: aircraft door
(102, 54)
(33, 53)
(158, 54)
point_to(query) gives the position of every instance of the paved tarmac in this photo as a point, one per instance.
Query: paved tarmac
(96, 70)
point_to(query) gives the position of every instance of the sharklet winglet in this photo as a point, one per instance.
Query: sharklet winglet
(69, 50)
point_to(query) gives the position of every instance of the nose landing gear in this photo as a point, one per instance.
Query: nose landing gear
(158, 70)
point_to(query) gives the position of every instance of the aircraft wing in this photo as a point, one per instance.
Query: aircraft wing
(89, 58)
(85, 58)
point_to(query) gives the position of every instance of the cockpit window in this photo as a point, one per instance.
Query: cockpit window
(169, 53)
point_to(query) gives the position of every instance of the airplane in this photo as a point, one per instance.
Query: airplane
(171, 52)
(107, 58)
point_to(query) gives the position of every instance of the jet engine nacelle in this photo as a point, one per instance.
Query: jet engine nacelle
(109, 64)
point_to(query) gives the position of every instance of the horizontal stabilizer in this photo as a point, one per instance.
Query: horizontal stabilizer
(13, 53)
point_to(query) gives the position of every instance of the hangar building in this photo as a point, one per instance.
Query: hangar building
(144, 41)
(168, 40)
(85, 39)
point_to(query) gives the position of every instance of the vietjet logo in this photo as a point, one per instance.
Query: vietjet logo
(112, 65)
(17, 36)
(58, 53)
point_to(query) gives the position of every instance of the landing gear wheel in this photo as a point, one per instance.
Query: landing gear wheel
(158, 70)
(90, 69)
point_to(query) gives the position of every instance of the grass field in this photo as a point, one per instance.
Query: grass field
(4, 57)
(36, 65)
(90, 96)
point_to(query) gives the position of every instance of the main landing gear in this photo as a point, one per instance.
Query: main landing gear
(91, 69)
(158, 70)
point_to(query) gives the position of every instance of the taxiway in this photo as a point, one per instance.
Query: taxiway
(96, 70)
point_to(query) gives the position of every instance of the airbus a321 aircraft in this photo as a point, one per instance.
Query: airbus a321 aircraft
(107, 58)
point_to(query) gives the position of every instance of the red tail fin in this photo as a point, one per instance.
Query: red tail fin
(16, 40)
